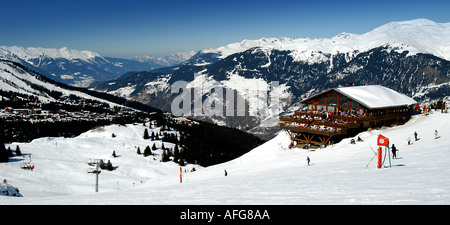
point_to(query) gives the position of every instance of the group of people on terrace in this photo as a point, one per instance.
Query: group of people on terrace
(323, 116)
(312, 127)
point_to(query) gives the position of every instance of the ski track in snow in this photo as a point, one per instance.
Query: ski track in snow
(269, 174)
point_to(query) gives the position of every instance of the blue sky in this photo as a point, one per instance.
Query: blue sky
(126, 28)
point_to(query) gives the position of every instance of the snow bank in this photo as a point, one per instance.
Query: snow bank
(9, 190)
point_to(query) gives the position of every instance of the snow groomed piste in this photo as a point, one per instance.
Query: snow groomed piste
(270, 174)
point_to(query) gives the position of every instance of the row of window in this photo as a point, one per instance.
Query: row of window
(342, 102)
(344, 111)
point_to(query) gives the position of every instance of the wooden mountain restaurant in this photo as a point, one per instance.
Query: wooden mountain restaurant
(343, 112)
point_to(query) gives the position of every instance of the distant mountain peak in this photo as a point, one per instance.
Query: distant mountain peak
(37, 52)
(169, 60)
(345, 35)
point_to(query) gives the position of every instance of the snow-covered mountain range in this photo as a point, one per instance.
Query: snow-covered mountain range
(411, 57)
(32, 53)
(81, 68)
(414, 36)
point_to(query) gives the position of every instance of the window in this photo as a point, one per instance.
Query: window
(321, 107)
(344, 102)
(355, 104)
(323, 101)
(332, 101)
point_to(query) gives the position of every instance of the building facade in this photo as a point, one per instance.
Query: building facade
(342, 112)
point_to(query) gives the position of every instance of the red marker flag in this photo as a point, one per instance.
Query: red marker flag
(181, 176)
(382, 141)
(380, 157)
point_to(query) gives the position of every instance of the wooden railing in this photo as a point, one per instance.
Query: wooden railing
(317, 131)
(358, 118)
(344, 122)
(319, 122)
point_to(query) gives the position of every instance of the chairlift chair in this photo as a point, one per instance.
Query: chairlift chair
(24, 166)
(93, 170)
(92, 162)
(27, 166)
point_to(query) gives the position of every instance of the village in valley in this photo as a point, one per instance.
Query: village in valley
(21, 107)
(33, 112)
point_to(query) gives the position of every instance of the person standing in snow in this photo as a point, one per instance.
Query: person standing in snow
(308, 160)
(415, 135)
(435, 134)
(394, 151)
(226, 173)
(409, 140)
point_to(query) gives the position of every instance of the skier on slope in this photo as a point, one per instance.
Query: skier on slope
(394, 151)
(308, 160)
(291, 145)
(415, 135)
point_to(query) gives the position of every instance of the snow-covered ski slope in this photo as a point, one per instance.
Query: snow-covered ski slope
(269, 174)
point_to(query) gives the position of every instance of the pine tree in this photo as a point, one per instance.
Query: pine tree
(139, 151)
(154, 147)
(109, 166)
(3, 154)
(18, 152)
(147, 151)
(152, 136)
(146, 134)
(165, 156)
(181, 162)
(114, 154)
(176, 154)
(102, 164)
(9, 151)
